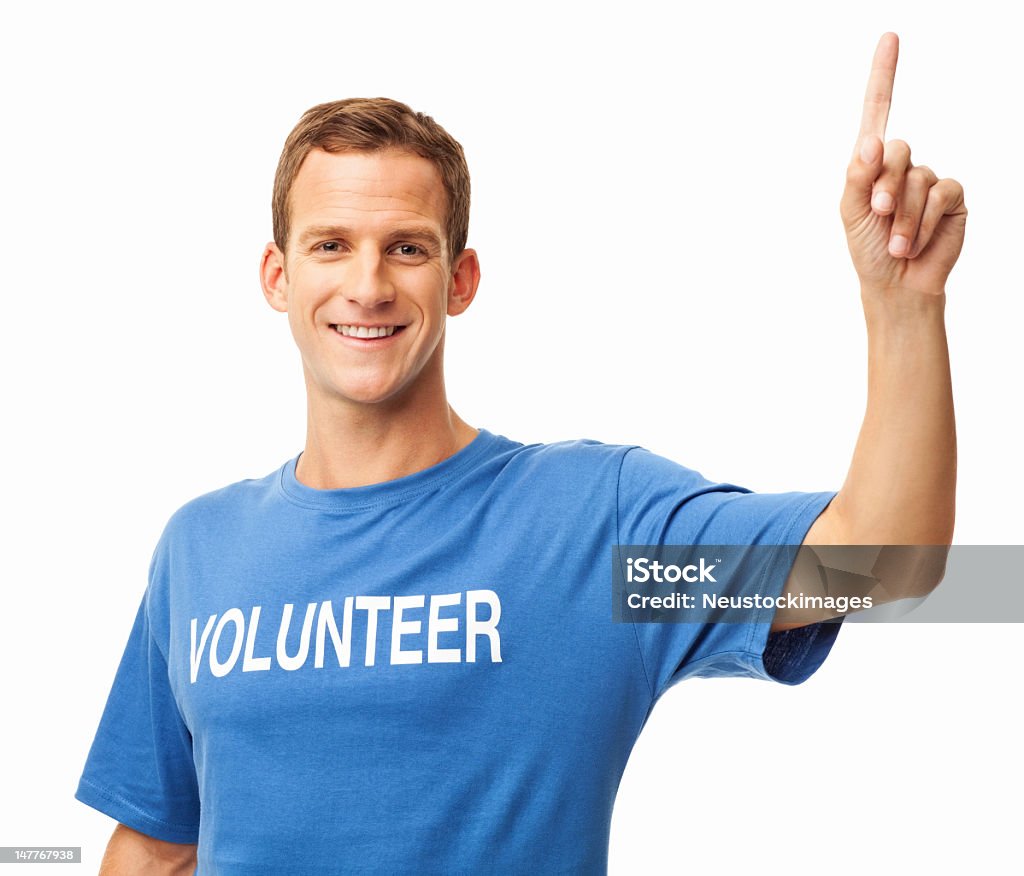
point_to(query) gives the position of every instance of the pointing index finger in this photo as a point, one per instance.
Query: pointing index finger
(879, 93)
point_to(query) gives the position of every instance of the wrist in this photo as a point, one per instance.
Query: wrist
(893, 306)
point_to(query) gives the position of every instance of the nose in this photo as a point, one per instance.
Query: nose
(367, 281)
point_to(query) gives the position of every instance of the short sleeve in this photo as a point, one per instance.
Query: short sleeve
(661, 502)
(140, 769)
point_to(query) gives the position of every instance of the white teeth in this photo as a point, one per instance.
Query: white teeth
(361, 331)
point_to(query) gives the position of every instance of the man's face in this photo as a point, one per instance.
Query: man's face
(366, 280)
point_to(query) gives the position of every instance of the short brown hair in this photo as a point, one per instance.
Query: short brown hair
(364, 124)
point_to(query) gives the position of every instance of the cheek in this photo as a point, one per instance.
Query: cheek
(434, 291)
(310, 289)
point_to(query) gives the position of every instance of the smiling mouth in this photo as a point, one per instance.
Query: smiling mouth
(368, 332)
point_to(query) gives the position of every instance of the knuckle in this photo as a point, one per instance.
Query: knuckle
(951, 189)
(897, 151)
(877, 97)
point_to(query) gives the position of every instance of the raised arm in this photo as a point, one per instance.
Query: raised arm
(904, 229)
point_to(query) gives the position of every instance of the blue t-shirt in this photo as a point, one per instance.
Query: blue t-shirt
(421, 675)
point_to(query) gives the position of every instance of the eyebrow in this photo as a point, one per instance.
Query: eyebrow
(422, 233)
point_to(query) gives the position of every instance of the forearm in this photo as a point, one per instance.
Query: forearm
(901, 484)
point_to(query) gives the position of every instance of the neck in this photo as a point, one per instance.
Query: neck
(355, 445)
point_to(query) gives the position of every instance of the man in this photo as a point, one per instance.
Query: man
(393, 654)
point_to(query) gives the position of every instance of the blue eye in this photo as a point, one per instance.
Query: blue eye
(408, 246)
(329, 246)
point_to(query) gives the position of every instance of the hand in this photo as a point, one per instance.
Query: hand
(904, 225)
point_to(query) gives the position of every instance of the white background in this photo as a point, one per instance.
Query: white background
(655, 205)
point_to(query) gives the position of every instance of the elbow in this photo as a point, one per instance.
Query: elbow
(911, 571)
(912, 551)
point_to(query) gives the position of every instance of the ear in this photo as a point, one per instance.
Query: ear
(273, 279)
(465, 279)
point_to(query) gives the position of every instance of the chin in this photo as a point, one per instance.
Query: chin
(364, 398)
(366, 394)
(370, 386)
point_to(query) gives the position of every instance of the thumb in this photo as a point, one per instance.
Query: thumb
(865, 166)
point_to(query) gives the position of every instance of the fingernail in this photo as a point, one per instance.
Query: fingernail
(882, 201)
(898, 245)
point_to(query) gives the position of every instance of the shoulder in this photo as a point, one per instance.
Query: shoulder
(225, 505)
(643, 466)
(577, 458)
(200, 528)
(589, 459)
